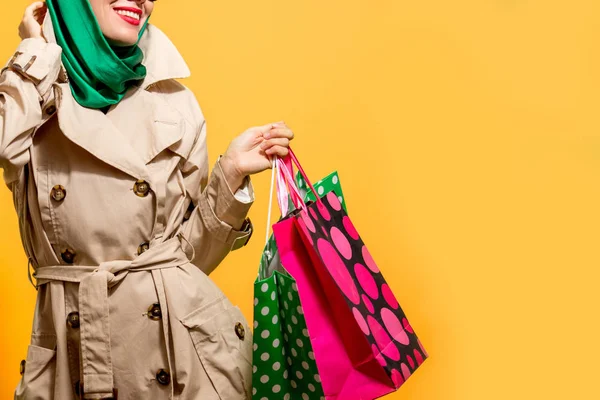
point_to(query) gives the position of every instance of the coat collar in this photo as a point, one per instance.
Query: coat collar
(151, 124)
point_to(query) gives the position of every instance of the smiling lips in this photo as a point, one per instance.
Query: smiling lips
(129, 14)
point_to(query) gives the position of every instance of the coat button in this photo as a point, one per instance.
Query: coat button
(51, 109)
(154, 312)
(240, 331)
(163, 377)
(68, 256)
(141, 188)
(143, 247)
(58, 193)
(73, 319)
(22, 367)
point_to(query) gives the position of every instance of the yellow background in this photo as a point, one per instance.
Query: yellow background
(466, 135)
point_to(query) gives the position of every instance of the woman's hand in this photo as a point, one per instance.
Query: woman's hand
(251, 151)
(31, 25)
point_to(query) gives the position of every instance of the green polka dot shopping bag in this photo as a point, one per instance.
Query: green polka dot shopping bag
(361, 342)
(284, 363)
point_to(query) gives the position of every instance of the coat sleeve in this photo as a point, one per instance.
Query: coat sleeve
(216, 214)
(25, 83)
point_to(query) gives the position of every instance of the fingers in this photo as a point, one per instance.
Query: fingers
(279, 133)
(29, 11)
(272, 125)
(279, 151)
(268, 144)
(39, 13)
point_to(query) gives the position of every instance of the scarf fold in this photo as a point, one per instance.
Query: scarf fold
(99, 73)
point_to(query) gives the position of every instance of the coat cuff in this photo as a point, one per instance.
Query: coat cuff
(38, 61)
(223, 211)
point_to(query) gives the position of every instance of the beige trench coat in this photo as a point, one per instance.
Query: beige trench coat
(112, 209)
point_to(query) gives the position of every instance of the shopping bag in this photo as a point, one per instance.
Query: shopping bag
(283, 361)
(363, 344)
(331, 183)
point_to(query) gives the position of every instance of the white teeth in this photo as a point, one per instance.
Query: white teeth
(130, 14)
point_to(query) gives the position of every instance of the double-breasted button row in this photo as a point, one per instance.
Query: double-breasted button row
(154, 312)
(141, 188)
(73, 319)
(58, 193)
(68, 256)
(143, 247)
(163, 377)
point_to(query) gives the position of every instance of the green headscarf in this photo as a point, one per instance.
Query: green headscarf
(99, 73)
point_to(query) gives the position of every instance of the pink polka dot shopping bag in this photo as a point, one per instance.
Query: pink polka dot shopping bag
(364, 347)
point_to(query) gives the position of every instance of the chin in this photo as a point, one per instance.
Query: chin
(122, 40)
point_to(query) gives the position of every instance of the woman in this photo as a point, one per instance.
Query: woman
(105, 154)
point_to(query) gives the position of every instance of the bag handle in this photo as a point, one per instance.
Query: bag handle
(283, 192)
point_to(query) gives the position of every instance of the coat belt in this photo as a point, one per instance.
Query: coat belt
(94, 282)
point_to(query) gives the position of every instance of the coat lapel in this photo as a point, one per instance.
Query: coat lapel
(141, 125)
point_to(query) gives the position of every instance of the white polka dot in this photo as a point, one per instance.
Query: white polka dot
(305, 365)
(305, 396)
(311, 387)
(290, 296)
(264, 311)
(265, 334)
(289, 360)
(300, 182)
(264, 378)
(281, 282)
(335, 180)
(276, 343)
(254, 369)
(289, 328)
(255, 346)
(265, 356)
(300, 310)
(255, 324)
(254, 391)
(320, 190)
(311, 355)
(263, 398)
(318, 378)
(286, 305)
(285, 337)
(294, 320)
(295, 287)
(340, 199)
(277, 366)
(273, 295)
(255, 301)
(275, 319)
(305, 332)
(283, 351)
(294, 352)
(264, 287)
(276, 389)
(299, 343)
(299, 375)
(294, 384)
(285, 374)
(286, 397)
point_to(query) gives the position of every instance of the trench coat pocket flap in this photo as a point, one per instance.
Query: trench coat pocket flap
(222, 348)
(38, 378)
